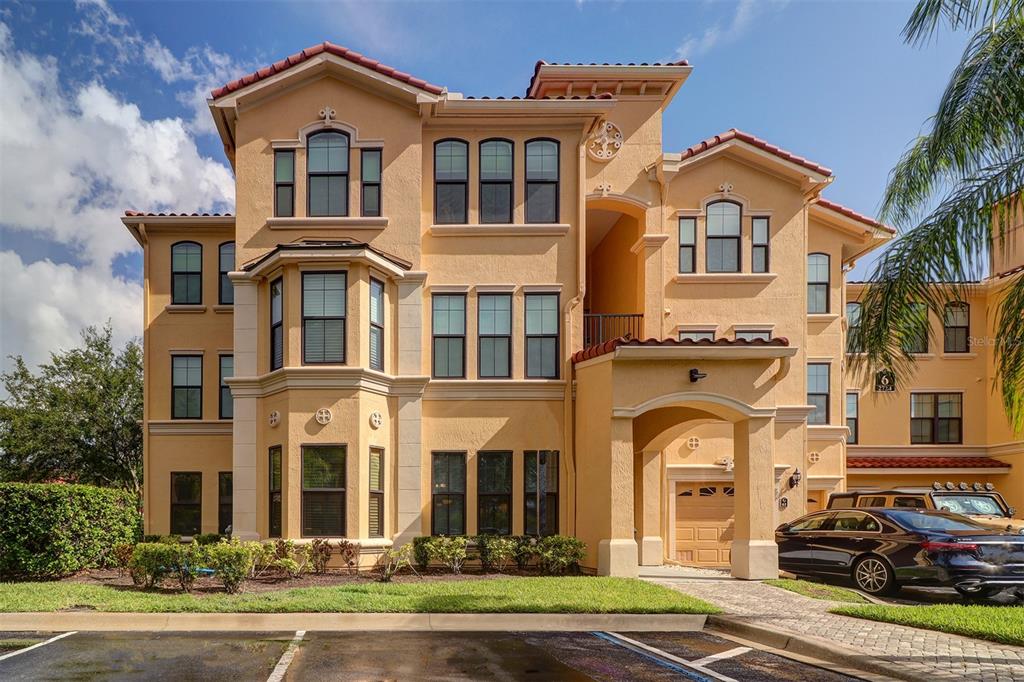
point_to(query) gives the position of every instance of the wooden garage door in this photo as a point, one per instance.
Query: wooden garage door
(704, 523)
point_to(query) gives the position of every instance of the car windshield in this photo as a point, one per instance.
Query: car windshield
(934, 521)
(986, 505)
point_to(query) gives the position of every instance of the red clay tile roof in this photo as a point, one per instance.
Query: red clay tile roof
(850, 213)
(609, 346)
(541, 62)
(144, 214)
(917, 462)
(1012, 271)
(734, 134)
(330, 48)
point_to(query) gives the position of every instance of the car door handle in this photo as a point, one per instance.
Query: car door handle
(857, 539)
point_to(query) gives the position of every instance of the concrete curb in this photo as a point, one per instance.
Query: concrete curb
(813, 647)
(342, 622)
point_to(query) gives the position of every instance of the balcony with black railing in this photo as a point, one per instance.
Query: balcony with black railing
(601, 327)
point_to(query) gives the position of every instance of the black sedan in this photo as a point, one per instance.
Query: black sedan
(883, 549)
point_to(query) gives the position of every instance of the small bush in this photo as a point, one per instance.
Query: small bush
(152, 562)
(392, 561)
(450, 551)
(231, 563)
(50, 530)
(560, 553)
(500, 552)
(525, 550)
(188, 559)
(164, 539)
(349, 552)
(122, 557)
(263, 557)
(421, 552)
(208, 539)
(290, 567)
(320, 555)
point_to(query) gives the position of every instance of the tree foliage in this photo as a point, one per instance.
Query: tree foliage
(77, 418)
(955, 194)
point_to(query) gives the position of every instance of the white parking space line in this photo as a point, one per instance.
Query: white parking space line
(692, 665)
(720, 655)
(286, 658)
(36, 646)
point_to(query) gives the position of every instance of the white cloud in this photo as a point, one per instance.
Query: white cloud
(721, 33)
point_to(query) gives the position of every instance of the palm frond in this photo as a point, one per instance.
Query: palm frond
(928, 15)
(1009, 346)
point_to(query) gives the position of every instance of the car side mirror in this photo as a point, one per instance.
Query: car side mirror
(1011, 511)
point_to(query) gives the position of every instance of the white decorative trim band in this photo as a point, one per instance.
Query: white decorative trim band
(827, 432)
(181, 308)
(334, 378)
(793, 414)
(494, 288)
(542, 288)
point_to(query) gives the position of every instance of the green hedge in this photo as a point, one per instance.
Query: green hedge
(50, 530)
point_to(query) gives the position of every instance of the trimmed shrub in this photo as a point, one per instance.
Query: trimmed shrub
(208, 539)
(497, 552)
(560, 553)
(449, 551)
(320, 555)
(164, 539)
(153, 561)
(525, 550)
(231, 563)
(420, 551)
(122, 557)
(392, 561)
(50, 530)
(188, 559)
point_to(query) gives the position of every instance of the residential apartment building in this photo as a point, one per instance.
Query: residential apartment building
(439, 314)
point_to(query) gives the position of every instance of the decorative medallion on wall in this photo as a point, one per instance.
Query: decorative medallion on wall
(605, 142)
(725, 188)
(376, 420)
(693, 442)
(274, 418)
(327, 114)
(814, 457)
(323, 416)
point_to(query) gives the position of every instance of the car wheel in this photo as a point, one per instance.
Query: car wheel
(873, 575)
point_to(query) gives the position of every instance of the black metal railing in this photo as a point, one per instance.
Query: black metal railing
(601, 327)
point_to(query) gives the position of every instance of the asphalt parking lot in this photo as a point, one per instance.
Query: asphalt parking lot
(393, 656)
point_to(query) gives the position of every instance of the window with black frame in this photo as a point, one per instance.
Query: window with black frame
(327, 172)
(542, 181)
(449, 334)
(494, 493)
(186, 274)
(276, 324)
(957, 328)
(494, 329)
(723, 237)
(284, 183)
(451, 182)
(540, 492)
(323, 491)
(370, 172)
(227, 370)
(186, 503)
(226, 263)
(852, 418)
(687, 245)
(224, 502)
(542, 336)
(274, 480)
(818, 279)
(854, 344)
(915, 338)
(448, 495)
(818, 392)
(496, 181)
(936, 418)
(187, 387)
(759, 245)
(376, 325)
(376, 490)
(323, 317)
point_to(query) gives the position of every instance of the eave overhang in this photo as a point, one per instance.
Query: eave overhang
(633, 81)
(140, 224)
(810, 180)
(327, 252)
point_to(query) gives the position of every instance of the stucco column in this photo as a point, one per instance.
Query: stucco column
(755, 555)
(410, 407)
(617, 554)
(243, 426)
(648, 252)
(652, 548)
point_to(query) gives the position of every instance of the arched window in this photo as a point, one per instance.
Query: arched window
(225, 264)
(957, 327)
(186, 273)
(327, 169)
(451, 182)
(817, 283)
(853, 341)
(723, 237)
(496, 181)
(542, 181)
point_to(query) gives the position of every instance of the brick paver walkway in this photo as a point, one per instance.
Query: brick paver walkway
(921, 653)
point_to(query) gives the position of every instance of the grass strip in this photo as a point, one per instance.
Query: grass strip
(1003, 624)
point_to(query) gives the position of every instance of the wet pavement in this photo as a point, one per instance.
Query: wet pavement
(395, 656)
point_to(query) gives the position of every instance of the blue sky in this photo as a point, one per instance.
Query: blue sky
(103, 107)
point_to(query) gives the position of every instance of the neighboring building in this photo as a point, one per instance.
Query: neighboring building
(424, 318)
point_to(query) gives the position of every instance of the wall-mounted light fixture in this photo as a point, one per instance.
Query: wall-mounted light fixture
(696, 375)
(795, 479)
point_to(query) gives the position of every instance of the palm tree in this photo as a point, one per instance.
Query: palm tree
(953, 194)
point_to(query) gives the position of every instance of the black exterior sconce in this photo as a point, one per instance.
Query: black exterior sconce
(696, 375)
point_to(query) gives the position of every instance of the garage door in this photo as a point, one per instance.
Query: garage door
(704, 523)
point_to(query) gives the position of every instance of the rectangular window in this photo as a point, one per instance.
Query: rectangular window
(449, 330)
(754, 335)
(187, 387)
(759, 245)
(542, 181)
(818, 392)
(494, 327)
(540, 488)
(494, 493)
(186, 503)
(376, 512)
(284, 183)
(224, 496)
(370, 169)
(818, 265)
(936, 418)
(274, 478)
(323, 317)
(448, 499)
(323, 491)
(916, 337)
(227, 370)
(226, 263)
(276, 320)
(451, 182)
(495, 181)
(376, 325)
(853, 340)
(542, 336)
(688, 245)
(186, 274)
(852, 419)
(956, 328)
(699, 335)
(723, 237)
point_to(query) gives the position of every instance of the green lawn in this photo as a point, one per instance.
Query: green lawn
(501, 595)
(1004, 624)
(819, 590)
